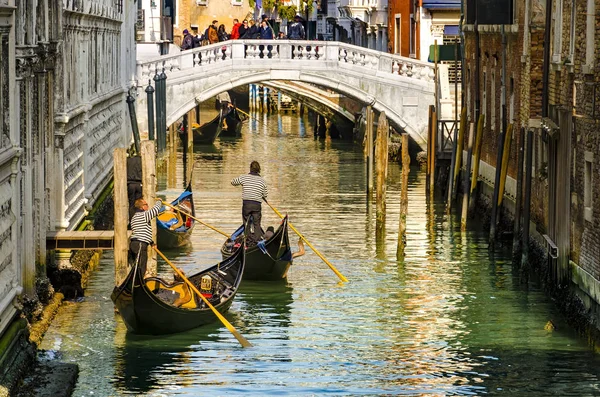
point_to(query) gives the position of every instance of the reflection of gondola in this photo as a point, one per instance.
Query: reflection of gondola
(174, 228)
(208, 132)
(268, 260)
(153, 306)
(142, 362)
(266, 304)
(233, 123)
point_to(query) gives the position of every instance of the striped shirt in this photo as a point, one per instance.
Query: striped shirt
(141, 229)
(254, 187)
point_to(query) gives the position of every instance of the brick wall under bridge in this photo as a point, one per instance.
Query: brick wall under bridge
(401, 87)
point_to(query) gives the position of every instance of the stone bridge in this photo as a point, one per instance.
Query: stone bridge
(401, 87)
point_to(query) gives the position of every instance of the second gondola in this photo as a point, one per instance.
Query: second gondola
(173, 227)
(269, 260)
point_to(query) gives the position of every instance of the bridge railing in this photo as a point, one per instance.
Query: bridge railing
(286, 54)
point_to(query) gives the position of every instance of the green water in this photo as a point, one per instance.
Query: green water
(450, 319)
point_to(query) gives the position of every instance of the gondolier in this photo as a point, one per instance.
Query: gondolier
(254, 191)
(141, 232)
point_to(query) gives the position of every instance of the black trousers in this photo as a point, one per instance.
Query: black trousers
(138, 248)
(252, 209)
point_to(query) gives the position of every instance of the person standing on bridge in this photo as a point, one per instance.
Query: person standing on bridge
(296, 31)
(141, 232)
(235, 30)
(254, 191)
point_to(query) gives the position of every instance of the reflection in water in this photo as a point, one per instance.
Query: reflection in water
(447, 319)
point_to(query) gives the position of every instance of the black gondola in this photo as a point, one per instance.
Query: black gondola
(269, 260)
(174, 228)
(208, 132)
(153, 306)
(234, 120)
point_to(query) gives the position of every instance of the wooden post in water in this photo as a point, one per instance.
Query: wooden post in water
(456, 158)
(476, 157)
(504, 170)
(466, 192)
(149, 193)
(369, 148)
(429, 139)
(190, 147)
(516, 248)
(121, 214)
(403, 198)
(381, 157)
(172, 160)
(434, 138)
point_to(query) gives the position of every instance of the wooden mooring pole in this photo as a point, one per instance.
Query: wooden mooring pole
(516, 248)
(403, 198)
(149, 193)
(434, 138)
(381, 158)
(369, 150)
(457, 153)
(121, 214)
(466, 192)
(476, 158)
(527, 205)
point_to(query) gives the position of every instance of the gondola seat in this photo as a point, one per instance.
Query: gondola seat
(171, 219)
(181, 294)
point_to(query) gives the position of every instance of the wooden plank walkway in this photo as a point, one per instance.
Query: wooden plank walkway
(80, 240)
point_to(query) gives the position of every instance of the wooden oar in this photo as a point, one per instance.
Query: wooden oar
(243, 341)
(340, 275)
(196, 219)
(252, 117)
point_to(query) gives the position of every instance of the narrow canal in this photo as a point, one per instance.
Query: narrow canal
(450, 319)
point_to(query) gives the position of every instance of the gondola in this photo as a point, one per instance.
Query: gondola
(269, 260)
(208, 132)
(234, 120)
(174, 228)
(153, 306)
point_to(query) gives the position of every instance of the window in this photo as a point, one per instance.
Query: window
(397, 46)
(587, 186)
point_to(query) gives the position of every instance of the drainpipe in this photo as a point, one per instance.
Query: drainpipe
(150, 103)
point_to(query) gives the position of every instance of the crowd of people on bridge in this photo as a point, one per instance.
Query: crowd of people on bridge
(247, 29)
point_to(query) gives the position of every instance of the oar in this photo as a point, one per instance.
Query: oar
(340, 275)
(243, 341)
(252, 117)
(196, 219)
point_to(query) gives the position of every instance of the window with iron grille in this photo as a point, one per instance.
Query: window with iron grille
(140, 24)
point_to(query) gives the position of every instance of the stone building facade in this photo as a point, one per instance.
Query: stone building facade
(66, 70)
(565, 194)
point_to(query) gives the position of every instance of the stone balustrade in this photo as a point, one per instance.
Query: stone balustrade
(288, 52)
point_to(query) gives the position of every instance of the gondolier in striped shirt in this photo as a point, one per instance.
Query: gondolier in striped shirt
(254, 191)
(141, 232)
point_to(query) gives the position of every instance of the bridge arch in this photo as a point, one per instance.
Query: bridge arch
(401, 87)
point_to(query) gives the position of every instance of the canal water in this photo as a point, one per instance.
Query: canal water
(449, 319)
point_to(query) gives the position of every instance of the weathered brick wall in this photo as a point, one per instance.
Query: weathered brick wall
(585, 235)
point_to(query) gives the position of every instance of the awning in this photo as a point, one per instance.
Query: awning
(451, 30)
(441, 4)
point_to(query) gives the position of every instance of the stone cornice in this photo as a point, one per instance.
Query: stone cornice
(82, 21)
